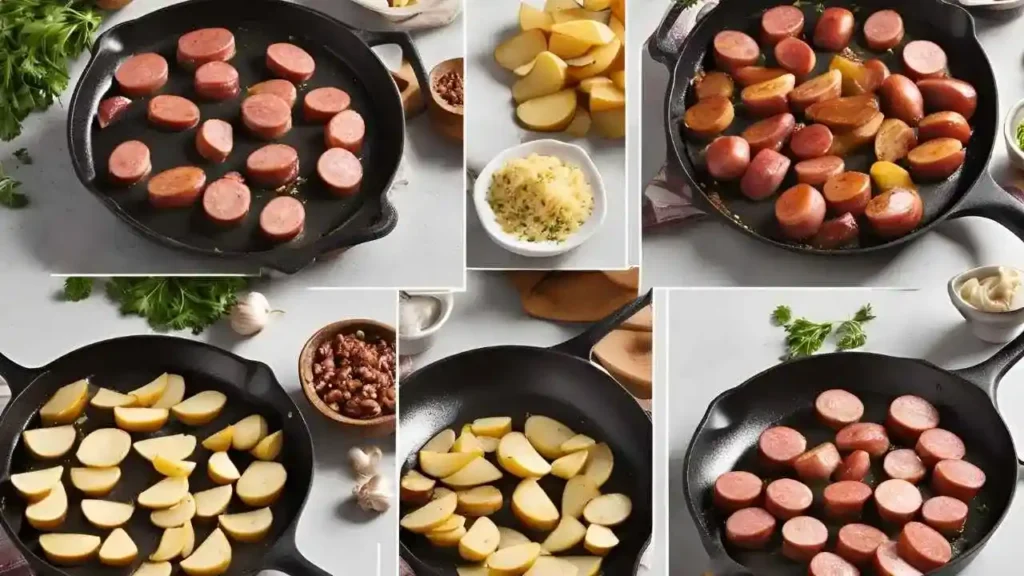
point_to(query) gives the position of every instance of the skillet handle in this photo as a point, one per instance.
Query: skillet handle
(15, 375)
(581, 345)
(285, 557)
(664, 44)
(990, 200)
(409, 53)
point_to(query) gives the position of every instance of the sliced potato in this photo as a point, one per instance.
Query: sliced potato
(531, 18)
(164, 494)
(220, 441)
(454, 522)
(480, 541)
(175, 516)
(36, 485)
(580, 124)
(567, 534)
(608, 509)
(518, 456)
(107, 514)
(514, 559)
(431, 515)
(204, 407)
(66, 405)
(585, 565)
(525, 69)
(566, 47)
(618, 27)
(49, 512)
(587, 86)
(104, 448)
(169, 467)
(138, 419)
(577, 13)
(599, 540)
(49, 443)
(579, 491)
(600, 59)
(95, 481)
(441, 492)
(553, 6)
(547, 435)
(569, 465)
(247, 526)
(448, 539)
(213, 502)
(510, 537)
(150, 393)
(190, 540)
(610, 123)
(175, 447)
(171, 544)
(533, 507)
(551, 566)
(619, 78)
(492, 427)
(547, 76)
(520, 49)
(606, 97)
(441, 443)
(551, 113)
(153, 569)
(442, 464)
(173, 393)
(599, 464)
(118, 549)
(213, 556)
(479, 501)
(270, 447)
(592, 32)
(577, 443)
(106, 398)
(248, 432)
(467, 443)
(68, 549)
(221, 469)
(261, 483)
(479, 471)
(416, 487)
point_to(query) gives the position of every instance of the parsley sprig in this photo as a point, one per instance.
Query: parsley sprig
(804, 337)
(10, 196)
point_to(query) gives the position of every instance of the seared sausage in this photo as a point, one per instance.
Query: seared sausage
(909, 416)
(216, 81)
(811, 141)
(283, 89)
(855, 467)
(837, 232)
(848, 192)
(857, 543)
(226, 201)
(750, 75)
(897, 501)
(734, 49)
(713, 84)
(944, 125)
(786, 498)
(266, 116)
(273, 165)
(795, 56)
(904, 464)
(770, 133)
(737, 489)
(922, 547)
(895, 212)
(321, 104)
(800, 212)
(282, 219)
(803, 537)
(779, 446)
(866, 436)
(781, 22)
(924, 59)
(818, 463)
(957, 479)
(818, 89)
(749, 528)
(764, 175)
(727, 158)
(129, 163)
(176, 188)
(845, 500)
(829, 564)
(340, 170)
(205, 45)
(942, 94)
(938, 444)
(883, 30)
(837, 408)
(936, 159)
(889, 563)
(768, 98)
(817, 171)
(172, 112)
(290, 62)
(215, 140)
(834, 29)
(346, 130)
(902, 99)
(945, 514)
(110, 109)
(142, 74)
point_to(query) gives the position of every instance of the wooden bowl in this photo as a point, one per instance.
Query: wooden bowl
(447, 118)
(370, 427)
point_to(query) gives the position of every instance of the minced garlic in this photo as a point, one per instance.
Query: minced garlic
(540, 198)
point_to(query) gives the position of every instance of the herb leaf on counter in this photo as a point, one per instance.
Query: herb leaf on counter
(851, 333)
(76, 289)
(176, 303)
(804, 337)
(10, 197)
(782, 315)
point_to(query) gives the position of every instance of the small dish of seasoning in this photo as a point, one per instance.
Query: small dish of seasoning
(420, 316)
(447, 93)
(991, 299)
(1013, 135)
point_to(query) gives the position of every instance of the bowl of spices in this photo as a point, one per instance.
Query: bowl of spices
(1013, 135)
(447, 92)
(347, 371)
(991, 299)
(420, 316)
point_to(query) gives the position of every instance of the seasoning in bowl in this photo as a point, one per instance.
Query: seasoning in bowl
(449, 87)
(417, 313)
(994, 293)
(540, 198)
(354, 374)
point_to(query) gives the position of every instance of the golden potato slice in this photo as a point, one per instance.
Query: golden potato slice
(599, 540)
(553, 6)
(173, 393)
(577, 443)
(510, 537)
(608, 509)
(579, 491)
(610, 123)
(36, 485)
(261, 483)
(618, 27)
(467, 443)
(531, 18)
(49, 443)
(442, 464)
(153, 569)
(431, 515)
(148, 395)
(454, 522)
(595, 62)
(447, 539)
(175, 516)
(213, 502)
(248, 432)
(118, 549)
(164, 494)
(550, 113)
(514, 559)
(49, 512)
(95, 481)
(487, 443)
(551, 566)
(220, 441)
(247, 526)
(567, 47)
(477, 472)
(547, 76)
(519, 457)
(585, 565)
(569, 465)
(204, 407)
(600, 464)
(887, 176)
(479, 501)
(66, 405)
(520, 49)
(480, 541)
(619, 78)
(270, 447)
(107, 399)
(104, 448)
(169, 467)
(416, 487)
(587, 85)
(525, 69)
(171, 543)
(190, 539)
(493, 427)
(221, 469)
(577, 13)
(107, 514)
(69, 549)
(533, 507)
(213, 556)
(441, 443)
(590, 31)
(567, 534)
(478, 570)
(547, 435)
(139, 419)
(175, 447)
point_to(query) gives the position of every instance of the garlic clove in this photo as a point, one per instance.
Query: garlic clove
(365, 460)
(372, 494)
(250, 314)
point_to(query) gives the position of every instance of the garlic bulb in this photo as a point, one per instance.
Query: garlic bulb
(364, 460)
(372, 493)
(250, 314)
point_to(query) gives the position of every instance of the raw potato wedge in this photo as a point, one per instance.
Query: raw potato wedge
(106, 514)
(204, 407)
(590, 31)
(601, 60)
(567, 534)
(416, 487)
(174, 392)
(569, 465)
(118, 549)
(36, 485)
(608, 509)
(580, 124)
(442, 464)
(567, 47)
(440, 492)
(551, 566)
(533, 507)
(213, 502)
(585, 565)
(531, 18)
(577, 13)
(610, 123)
(547, 76)
(169, 467)
(479, 501)
(49, 443)
(606, 97)
(479, 471)
(553, 6)
(577, 443)
(213, 556)
(164, 494)
(431, 515)
(454, 522)
(467, 442)
(547, 435)
(510, 537)
(487, 443)
(140, 419)
(480, 541)
(550, 113)
(887, 176)
(261, 483)
(493, 427)
(190, 539)
(448, 539)
(270, 447)
(175, 447)
(619, 78)
(153, 569)
(104, 448)
(247, 432)
(220, 441)
(579, 491)
(66, 405)
(520, 49)
(587, 86)
(519, 457)
(49, 512)
(95, 482)
(597, 5)
(69, 549)
(514, 559)
(175, 516)
(441, 443)
(106, 399)
(150, 393)
(221, 469)
(247, 526)
(599, 540)
(171, 544)
(600, 464)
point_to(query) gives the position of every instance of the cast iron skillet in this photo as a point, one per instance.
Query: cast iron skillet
(726, 439)
(950, 26)
(518, 381)
(127, 363)
(343, 59)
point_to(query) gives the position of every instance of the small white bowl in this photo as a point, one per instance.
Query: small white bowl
(567, 152)
(412, 344)
(384, 8)
(1010, 123)
(994, 327)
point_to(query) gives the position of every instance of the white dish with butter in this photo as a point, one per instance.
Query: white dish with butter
(991, 299)
(568, 153)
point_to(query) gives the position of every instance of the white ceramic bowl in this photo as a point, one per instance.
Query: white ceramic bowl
(1013, 118)
(994, 327)
(412, 344)
(567, 152)
(384, 8)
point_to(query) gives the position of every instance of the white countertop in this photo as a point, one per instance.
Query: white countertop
(39, 329)
(720, 338)
(65, 230)
(491, 127)
(708, 254)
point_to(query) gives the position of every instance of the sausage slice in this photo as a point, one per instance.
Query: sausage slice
(340, 170)
(904, 464)
(855, 466)
(273, 165)
(938, 444)
(803, 537)
(176, 188)
(205, 45)
(282, 219)
(129, 163)
(834, 29)
(734, 49)
(837, 408)
(216, 81)
(345, 130)
(215, 140)
(883, 30)
(897, 501)
(800, 211)
(818, 463)
(889, 563)
(845, 500)
(781, 22)
(909, 416)
(829, 564)
(290, 62)
(321, 104)
(924, 59)
(226, 201)
(922, 547)
(737, 489)
(283, 89)
(945, 514)
(786, 498)
(811, 141)
(110, 109)
(142, 74)
(958, 479)
(266, 116)
(857, 543)
(172, 112)
(817, 171)
(749, 528)
(866, 436)
(727, 158)
(780, 445)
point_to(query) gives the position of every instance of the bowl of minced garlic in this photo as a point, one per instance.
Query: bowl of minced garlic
(541, 198)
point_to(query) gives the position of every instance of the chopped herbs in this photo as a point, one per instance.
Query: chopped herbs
(76, 289)
(804, 337)
(1020, 136)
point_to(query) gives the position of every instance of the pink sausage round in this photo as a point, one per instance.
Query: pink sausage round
(945, 514)
(866, 436)
(215, 140)
(205, 45)
(845, 500)
(786, 498)
(283, 89)
(216, 81)
(909, 416)
(176, 188)
(883, 30)
(794, 55)
(811, 141)
(938, 444)
(282, 219)
(829, 564)
(129, 163)
(781, 22)
(803, 537)
(857, 543)
(273, 165)
(340, 170)
(734, 49)
(834, 29)
(290, 62)
(957, 479)
(345, 130)
(266, 116)
(889, 563)
(897, 501)
(737, 489)
(924, 59)
(904, 464)
(818, 463)
(765, 174)
(817, 171)
(321, 104)
(837, 408)
(172, 112)
(226, 201)
(142, 74)
(922, 547)
(779, 446)
(749, 528)
(728, 158)
(855, 466)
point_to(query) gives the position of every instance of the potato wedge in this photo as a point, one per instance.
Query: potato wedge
(66, 405)
(204, 407)
(514, 559)
(606, 97)
(601, 60)
(488, 444)
(585, 565)
(477, 472)
(520, 49)
(550, 113)
(140, 419)
(107, 399)
(547, 76)
(569, 465)
(147, 395)
(175, 516)
(441, 443)
(416, 487)
(547, 435)
(431, 515)
(248, 432)
(164, 494)
(610, 123)
(69, 549)
(248, 526)
(519, 457)
(510, 537)
(567, 534)
(440, 492)
(551, 566)
(619, 78)
(467, 443)
(221, 469)
(493, 427)
(587, 85)
(579, 491)
(213, 502)
(270, 447)
(47, 443)
(480, 541)
(533, 507)
(104, 448)
(531, 18)
(118, 549)
(577, 443)
(220, 441)
(553, 6)
(894, 140)
(175, 447)
(599, 540)
(440, 465)
(174, 392)
(448, 539)
(190, 539)
(525, 69)
(566, 47)
(600, 464)
(454, 522)
(107, 514)
(261, 483)
(36, 485)
(597, 5)
(887, 176)
(590, 31)
(169, 467)
(577, 13)
(608, 509)
(479, 501)
(153, 569)
(95, 482)
(211, 558)
(49, 512)
(171, 543)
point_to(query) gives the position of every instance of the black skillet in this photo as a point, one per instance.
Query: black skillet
(518, 381)
(124, 364)
(949, 25)
(343, 59)
(726, 439)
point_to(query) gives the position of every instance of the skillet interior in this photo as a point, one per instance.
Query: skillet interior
(949, 26)
(124, 364)
(519, 381)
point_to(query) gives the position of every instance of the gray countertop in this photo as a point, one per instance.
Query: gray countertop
(66, 231)
(39, 329)
(736, 341)
(707, 254)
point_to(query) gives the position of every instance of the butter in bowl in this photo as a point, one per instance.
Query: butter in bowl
(991, 299)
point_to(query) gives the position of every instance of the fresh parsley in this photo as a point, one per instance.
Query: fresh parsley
(76, 289)
(804, 337)
(850, 333)
(10, 197)
(782, 315)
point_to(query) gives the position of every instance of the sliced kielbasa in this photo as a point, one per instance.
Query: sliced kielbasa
(142, 74)
(786, 498)
(897, 501)
(172, 112)
(922, 547)
(855, 466)
(110, 109)
(129, 163)
(226, 201)
(857, 543)
(205, 45)
(215, 140)
(780, 445)
(909, 416)
(340, 170)
(845, 500)
(321, 104)
(781, 22)
(769, 133)
(176, 188)
(837, 408)
(924, 59)
(938, 444)
(818, 463)
(889, 563)
(290, 62)
(904, 464)
(737, 489)
(796, 56)
(866, 436)
(945, 514)
(216, 81)
(283, 89)
(345, 130)
(803, 537)
(266, 116)
(957, 479)
(811, 141)
(829, 564)
(800, 211)
(282, 219)
(273, 165)
(764, 175)
(727, 158)
(883, 30)
(817, 171)
(734, 49)
(750, 528)
(834, 29)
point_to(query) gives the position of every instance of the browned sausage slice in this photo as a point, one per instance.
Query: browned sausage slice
(734, 49)
(205, 45)
(750, 75)
(737, 489)
(811, 141)
(924, 59)
(714, 84)
(172, 112)
(904, 464)
(889, 563)
(854, 467)
(290, 62)
(922, 547)
(945, 514)
(142, 74)
(938, 444)
(845, 500)
(176, 188)
(781, 22)
(829, 564)
(800, 211)
(895, 212)
(346, 130)
(749, 528)
(273, 165)
(848, 192)
(834, 29)
(110, 109)
(216, 81)
(321, 104)
(129, 163)
(215, 140)
(837, 232)
(795, 55)
(770, 133)
(764, 175)
(818, 463)
(817, 171)
(957, 479)
(909, 416)
(266, 116)
(803, 537)
(780, 445)
(226, 201)
(883, 30)
(897, 501)
(786, 498)
(941, 94)
(283, 89)
(857, 543)
(837, 408)
(282, 219)
(727, 158)
(947, 124)
(340, 170)
(866, 436)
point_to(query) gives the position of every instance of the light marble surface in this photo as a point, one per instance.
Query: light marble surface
(720, 338)
(65, 230)
(708, 254)
(491, 127)
(39, 329)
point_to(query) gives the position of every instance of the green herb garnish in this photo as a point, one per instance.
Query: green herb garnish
(1020, 135)
(804, 337)
(76, 289)
(10, 197)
